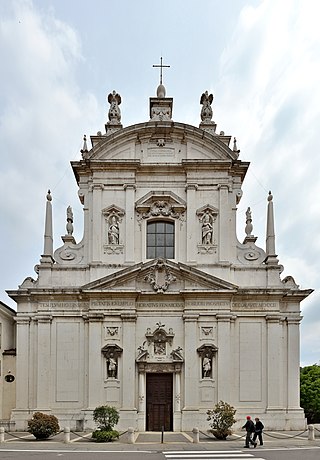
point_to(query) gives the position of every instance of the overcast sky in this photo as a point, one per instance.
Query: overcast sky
(261, 61)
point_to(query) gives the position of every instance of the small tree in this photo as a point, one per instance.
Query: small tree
(42, 426)
(221, 419)
(106, 417)
(310, 392)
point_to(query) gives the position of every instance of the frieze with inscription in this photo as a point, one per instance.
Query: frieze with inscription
(158, 305)
(255, 305)
(112, 303)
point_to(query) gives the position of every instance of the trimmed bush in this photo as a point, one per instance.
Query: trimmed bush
(105, 436)
(106, 417)
(42, 426)
(221, 419)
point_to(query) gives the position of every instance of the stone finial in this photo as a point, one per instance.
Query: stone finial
(206, 111)
(249, 226)
(271, 258)
(250, 238)
(47, 256)
(69, 226)
(235, 148)
(114, 113)
(84, 149)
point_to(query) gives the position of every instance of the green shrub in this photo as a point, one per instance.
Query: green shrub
(105, 436)
(221, 419)
(42, 426)
(106, 417)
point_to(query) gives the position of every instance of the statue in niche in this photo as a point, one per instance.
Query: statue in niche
(207, 228)
(114, 100)
(206, 366)
(206, 111)
(113, 231)
(112, 367)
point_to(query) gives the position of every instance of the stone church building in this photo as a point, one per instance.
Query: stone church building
(159, 310)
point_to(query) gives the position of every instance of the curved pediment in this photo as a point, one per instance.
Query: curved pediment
(156, 140)
(160, 276)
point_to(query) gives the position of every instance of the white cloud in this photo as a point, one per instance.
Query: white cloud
(41, 127)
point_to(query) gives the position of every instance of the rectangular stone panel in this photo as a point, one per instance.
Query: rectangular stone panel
(250, 365)
(68, 359)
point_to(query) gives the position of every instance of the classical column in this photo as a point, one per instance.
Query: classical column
(44, 362)
(23, 379)
(177, 398)
(129, 350)
(274, 363)
(95, 373)
(129, 219)
(224, 225)
(142, 390)
(97, 224)
(191, 368)
(293, 364)
(192, 228)
(224, 361)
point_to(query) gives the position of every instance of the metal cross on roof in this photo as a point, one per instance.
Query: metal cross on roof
(161, 67)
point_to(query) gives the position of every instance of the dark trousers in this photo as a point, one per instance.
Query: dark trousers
(259, 434)
(248, 439)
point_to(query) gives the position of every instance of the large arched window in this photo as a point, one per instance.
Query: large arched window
(160, 239)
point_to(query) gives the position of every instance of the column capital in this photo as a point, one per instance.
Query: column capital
(273, 318)
(22, 320)
(43, 318)
(190, 317)
(129, 317)
(129, 186)
(225, 317)
(191, 187)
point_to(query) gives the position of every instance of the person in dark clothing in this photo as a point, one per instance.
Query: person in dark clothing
(258, 431)
(249, 427)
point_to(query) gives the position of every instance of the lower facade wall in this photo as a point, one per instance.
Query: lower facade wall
(183, 421)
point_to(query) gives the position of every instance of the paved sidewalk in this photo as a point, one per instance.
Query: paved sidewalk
(151, 441)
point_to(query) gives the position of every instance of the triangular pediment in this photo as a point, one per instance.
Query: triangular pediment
(160, 276)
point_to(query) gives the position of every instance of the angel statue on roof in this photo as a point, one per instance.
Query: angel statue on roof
(114, 100)
(206, 111)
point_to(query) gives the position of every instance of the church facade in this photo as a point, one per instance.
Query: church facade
(159, 310)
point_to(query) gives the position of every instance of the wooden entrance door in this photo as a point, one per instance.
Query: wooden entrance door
(159, 402)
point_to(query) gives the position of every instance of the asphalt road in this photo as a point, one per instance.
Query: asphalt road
(312, 453)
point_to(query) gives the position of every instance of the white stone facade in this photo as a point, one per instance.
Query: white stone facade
(159, 311)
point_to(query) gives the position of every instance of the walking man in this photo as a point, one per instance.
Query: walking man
(258, 431)
(249, 427)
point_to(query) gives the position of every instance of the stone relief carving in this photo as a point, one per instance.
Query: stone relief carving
(160, 208)
(160, 204)
(160, 276)
(207, 331)
(156, 347)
